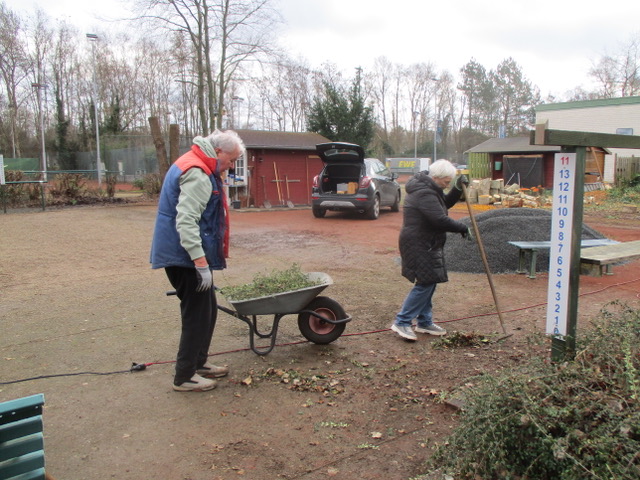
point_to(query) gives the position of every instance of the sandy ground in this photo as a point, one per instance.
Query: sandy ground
(77, 295)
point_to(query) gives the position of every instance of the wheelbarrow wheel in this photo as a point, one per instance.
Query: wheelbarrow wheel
(316, 330)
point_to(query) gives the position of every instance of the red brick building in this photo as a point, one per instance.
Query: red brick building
(279, 168)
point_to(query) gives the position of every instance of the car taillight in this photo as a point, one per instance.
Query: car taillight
(365, 182)
(315, 181)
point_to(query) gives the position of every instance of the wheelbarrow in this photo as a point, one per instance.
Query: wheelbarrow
(321, 320)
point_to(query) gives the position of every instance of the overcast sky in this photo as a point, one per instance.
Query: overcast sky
(555, 42)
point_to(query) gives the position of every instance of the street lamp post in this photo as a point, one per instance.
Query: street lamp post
(415, 134)
(435, 119)
(39, 86)
(12, 113)
(94, 38)
(236, 110)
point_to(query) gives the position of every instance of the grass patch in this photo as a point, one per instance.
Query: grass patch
(629, 193)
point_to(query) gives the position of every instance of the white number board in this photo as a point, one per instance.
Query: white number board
(561, 245)
(2, 180)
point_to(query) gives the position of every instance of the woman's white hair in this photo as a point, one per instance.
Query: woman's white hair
(442, 169)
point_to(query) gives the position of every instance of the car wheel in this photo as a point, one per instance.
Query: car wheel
(374, 212)
(318, 212)
(317, 330)
(396, 204)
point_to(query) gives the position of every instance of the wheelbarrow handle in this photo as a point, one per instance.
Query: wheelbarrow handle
(173, 292)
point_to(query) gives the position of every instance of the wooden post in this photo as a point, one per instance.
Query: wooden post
(174, 142)
(539, 133)
(564, 346)
(158, 141)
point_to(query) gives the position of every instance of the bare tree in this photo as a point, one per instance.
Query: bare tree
(244, 32)
(285, 94)
(190, 18)
(381, 81)
(186, 94)
(421, 88)
(447, 102)
(14, 69)
(41, 38)
(64, 67)
(223, 34)
(618, 75)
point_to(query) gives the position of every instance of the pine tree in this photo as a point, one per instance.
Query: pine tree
(342, 115)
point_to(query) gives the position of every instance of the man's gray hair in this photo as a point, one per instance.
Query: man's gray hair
(228, 141)
(442, 169)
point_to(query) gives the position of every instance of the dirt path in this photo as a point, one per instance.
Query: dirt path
(77, 295)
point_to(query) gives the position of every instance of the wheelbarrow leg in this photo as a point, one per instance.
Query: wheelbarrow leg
(254, 332)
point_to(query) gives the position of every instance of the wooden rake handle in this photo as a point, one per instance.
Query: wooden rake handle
(476, 232)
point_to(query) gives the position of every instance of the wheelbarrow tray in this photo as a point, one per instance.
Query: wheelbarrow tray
(283, 303)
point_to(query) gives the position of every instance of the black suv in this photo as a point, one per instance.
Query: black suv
(350, 182)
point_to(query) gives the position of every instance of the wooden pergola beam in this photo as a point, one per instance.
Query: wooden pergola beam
(543, 136)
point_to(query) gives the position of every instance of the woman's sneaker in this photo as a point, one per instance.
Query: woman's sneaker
(196, 384)
(405, 332)
(432, 329)
(212, 371)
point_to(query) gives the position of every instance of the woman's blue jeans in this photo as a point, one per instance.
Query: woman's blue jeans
(417, 305)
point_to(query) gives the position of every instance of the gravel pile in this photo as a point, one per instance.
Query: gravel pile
(497, 227)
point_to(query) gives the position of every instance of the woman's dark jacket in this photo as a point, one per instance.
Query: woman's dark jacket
(424, 229)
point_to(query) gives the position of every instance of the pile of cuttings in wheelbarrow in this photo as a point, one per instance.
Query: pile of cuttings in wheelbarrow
(278, 281)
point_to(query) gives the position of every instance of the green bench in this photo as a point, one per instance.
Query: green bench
(532, 249)
(21, 439)
(598, 260)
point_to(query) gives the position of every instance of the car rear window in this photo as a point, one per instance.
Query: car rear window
(341, 153)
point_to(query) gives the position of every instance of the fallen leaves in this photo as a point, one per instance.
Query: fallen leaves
(461, 339)
(303, 382)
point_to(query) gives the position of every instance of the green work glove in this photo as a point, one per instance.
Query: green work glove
(205, 279)
(460, 180)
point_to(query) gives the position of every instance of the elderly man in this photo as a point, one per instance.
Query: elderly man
(190, 240)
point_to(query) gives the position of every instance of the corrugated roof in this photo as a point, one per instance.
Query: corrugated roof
(601, 102)
(511, 145)
(272, 140)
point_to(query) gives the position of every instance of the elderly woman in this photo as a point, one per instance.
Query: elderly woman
(422, 238)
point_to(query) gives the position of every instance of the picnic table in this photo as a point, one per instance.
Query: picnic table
(598, 260)
(532, 248)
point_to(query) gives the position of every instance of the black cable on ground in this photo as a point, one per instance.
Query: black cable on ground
(134, 368)
(137, 367)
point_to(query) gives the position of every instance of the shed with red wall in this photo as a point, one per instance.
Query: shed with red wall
(280, 167)
(516, 161)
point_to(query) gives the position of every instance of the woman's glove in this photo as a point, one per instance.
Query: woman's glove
(460, 180)
(205, 279)
(468, 234)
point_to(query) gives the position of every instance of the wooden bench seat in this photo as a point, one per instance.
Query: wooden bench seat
(598, 260)
(532, 249)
